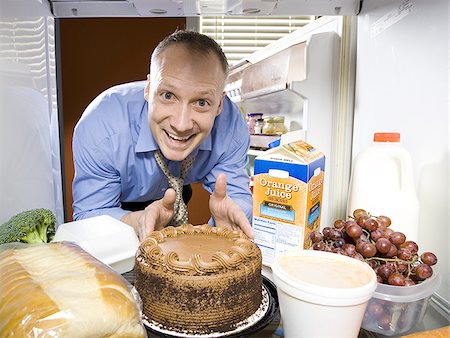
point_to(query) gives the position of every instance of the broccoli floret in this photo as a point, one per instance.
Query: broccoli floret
(31, 226)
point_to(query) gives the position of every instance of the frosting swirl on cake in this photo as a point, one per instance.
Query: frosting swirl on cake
(197, 249)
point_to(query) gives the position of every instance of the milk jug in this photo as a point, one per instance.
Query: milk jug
(382, 183)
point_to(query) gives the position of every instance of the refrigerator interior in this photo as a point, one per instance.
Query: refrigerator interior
(402, 84)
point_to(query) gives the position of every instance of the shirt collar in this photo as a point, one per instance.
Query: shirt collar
(146, 142)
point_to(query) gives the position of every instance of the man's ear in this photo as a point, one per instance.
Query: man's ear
(219, 108)
(147, 88)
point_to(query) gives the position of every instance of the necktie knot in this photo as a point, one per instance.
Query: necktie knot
(180, 216)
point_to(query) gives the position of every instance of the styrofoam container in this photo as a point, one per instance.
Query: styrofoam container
(322, 294)
(394, 310)
(104, 237)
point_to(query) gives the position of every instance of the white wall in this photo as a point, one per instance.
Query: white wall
(402, 85)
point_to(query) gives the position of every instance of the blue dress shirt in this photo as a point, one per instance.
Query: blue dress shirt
(113, 155)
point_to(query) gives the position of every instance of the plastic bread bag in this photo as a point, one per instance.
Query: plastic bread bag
(59, 290)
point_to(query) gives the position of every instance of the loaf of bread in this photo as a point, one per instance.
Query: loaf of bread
(59, 290)
(442, 332)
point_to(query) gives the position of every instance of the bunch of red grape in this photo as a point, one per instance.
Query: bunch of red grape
(369, 238)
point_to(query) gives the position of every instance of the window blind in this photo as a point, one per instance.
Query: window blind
(240, 36)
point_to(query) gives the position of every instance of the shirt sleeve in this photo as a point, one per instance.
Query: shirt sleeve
(96, 186)
(233, 162)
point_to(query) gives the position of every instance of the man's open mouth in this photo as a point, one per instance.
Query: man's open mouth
(178, 138)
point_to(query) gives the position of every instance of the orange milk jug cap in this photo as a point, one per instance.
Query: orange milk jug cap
(386, 137)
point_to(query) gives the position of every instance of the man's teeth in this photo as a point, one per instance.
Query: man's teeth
(178, 138)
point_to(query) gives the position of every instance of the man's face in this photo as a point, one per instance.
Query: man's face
(184, 94)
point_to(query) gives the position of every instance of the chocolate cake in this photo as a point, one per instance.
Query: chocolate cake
(198, 279)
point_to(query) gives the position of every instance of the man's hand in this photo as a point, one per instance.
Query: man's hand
(225, 211)
(154, 217)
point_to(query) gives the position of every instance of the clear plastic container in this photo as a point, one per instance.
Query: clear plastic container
(382, 183)
(394, 310)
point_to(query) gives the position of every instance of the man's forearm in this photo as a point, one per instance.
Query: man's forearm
(115, 212)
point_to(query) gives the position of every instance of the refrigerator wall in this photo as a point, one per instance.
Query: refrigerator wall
(30, 175)
(402, 85)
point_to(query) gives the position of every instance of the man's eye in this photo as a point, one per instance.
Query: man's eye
(167, 95)
(202, 103)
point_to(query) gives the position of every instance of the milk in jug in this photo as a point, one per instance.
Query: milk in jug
(382, 183)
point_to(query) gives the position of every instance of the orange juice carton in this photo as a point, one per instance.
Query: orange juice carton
(287, 197)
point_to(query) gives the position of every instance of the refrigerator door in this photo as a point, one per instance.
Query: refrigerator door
(403, 86)
(307, 77)
(30, 175)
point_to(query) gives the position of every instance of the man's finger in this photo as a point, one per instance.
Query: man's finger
(220, 190)
(242, 221)
(168, 201)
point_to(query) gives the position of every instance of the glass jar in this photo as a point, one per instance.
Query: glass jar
(274, 125)
(251, 121)
(259, 125)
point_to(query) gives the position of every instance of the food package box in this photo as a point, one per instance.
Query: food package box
(287, 197)
(109, 240)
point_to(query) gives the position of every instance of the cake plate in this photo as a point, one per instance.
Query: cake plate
(256, 322)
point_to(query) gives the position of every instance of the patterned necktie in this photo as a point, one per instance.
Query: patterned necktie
(180, 215)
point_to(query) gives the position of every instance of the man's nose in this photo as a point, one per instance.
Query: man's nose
(182, 119)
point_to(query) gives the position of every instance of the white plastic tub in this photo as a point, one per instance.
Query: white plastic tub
(322, 294)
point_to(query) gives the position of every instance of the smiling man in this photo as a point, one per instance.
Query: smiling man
(137, 141)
